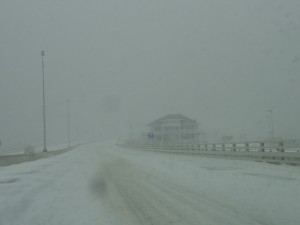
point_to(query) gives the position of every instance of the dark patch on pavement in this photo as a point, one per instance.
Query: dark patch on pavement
(9, 181)
(98, 186)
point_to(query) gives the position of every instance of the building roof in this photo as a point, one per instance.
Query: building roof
(170, 117)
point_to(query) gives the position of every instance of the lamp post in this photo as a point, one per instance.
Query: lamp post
(130, 131)
(272, 123)
(44, 104)
(162, 134)
(69, 130)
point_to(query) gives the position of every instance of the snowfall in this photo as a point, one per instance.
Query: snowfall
(104, 184)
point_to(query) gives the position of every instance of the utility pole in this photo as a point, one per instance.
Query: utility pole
(44, 103)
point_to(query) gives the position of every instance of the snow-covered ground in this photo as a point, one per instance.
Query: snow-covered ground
(36, 150)
(105, 184)
(17, 151)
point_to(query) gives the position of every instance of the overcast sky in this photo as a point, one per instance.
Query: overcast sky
(224, 63)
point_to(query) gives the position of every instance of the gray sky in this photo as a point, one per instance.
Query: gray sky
(224, 63)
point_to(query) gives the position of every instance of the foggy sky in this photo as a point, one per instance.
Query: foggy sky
(224, 63)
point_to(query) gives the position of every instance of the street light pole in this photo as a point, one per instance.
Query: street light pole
(44, 104)
(272, 123)
(69, 127)
(162, 134)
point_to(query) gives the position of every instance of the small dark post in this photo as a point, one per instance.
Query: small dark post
(214, 147)
(223, 147)
(234, 147)
(281, 146)
(247, 147)
(262, 147)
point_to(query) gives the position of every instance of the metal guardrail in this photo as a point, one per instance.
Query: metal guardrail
(262, 151)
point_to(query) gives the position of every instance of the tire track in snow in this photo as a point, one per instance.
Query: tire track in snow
(153, 200)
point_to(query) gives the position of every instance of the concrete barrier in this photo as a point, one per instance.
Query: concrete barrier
(6, 160)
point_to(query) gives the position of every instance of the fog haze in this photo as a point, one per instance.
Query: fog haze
(223, 63)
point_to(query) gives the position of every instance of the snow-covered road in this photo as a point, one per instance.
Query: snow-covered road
(104, 184)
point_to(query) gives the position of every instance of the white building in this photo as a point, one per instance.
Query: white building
(174, 128)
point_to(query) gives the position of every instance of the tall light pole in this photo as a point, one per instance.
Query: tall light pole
(69, 127)
(162, 134)
(272, 123)
(130, 131)
(77, 128)
(44, 104)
